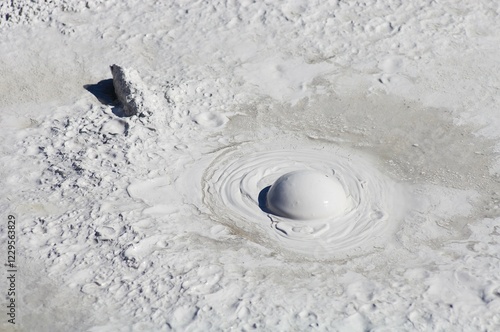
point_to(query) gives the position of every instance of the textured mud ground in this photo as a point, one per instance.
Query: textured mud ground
(113, 231)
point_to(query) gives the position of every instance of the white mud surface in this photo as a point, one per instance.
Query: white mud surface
(156, 222)
(235, 191)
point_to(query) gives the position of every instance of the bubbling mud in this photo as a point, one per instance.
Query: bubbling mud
(309, 199)
(306, 195)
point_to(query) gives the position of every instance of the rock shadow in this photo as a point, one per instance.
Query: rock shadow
(104, 91)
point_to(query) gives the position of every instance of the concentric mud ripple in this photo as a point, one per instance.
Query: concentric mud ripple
(235, 186)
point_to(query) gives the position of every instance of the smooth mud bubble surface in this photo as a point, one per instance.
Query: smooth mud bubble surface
(306, 195)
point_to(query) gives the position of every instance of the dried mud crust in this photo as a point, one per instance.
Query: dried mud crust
(109, 206)
(21, 12)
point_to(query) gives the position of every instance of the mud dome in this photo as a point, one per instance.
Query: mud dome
(235, 192)
(306, 195)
